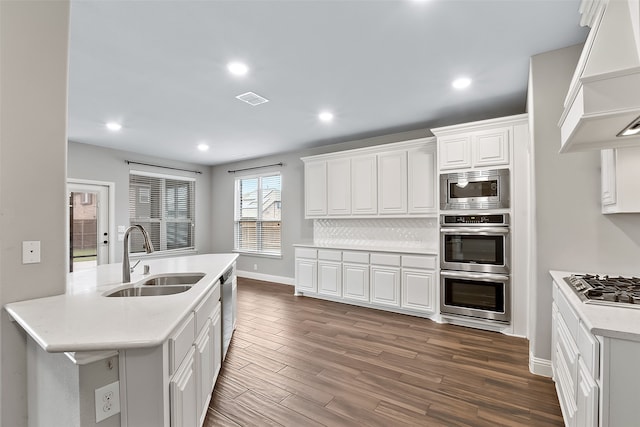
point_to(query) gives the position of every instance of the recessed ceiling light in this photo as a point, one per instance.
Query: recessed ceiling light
(325, 116)
(113, 126)
(203, 147)
(461, 83)
(237, 68)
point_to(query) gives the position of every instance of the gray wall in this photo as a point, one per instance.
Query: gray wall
(33, 117)
(571, 232)
(295, 229)
(103, 164)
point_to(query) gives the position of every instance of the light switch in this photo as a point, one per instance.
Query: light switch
(31, 252)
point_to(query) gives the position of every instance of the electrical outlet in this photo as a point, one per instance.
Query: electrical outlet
(31, 252)
(255, 267)
(107, 401)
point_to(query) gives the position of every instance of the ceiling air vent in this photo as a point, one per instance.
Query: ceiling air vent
(252, 98)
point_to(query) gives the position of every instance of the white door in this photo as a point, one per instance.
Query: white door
(89, 239)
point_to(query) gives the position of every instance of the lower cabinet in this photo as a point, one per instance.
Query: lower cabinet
(396, 282)
(170, 385)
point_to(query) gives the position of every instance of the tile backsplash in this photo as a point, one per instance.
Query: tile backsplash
(377, 233)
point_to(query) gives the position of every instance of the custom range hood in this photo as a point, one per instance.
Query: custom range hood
(602, 107)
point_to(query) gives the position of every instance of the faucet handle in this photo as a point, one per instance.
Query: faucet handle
(134, 266)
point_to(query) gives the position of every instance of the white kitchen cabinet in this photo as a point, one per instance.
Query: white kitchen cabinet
(392, 182)
(586, 398)
(418, 290)
(216, 339)
(183, 394)
(339, 186)
(204, 365)
(315, 188)
(454, 152)
(620, 178)
(364, 185)
(306, 270)
(491, 147)
(356, 282)
(330, 272)
(385, 285)
(421, 185)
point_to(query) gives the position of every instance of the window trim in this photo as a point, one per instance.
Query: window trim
(237, 220)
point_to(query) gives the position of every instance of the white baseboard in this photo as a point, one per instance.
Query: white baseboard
(265, 277)
(540, 366)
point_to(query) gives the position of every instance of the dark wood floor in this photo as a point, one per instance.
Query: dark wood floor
(297, 361)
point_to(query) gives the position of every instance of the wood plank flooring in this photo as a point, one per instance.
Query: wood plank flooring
(296, 361)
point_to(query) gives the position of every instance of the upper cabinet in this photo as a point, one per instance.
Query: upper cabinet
(604, 94)
(620, 178)
(391, 180)
(478, 144)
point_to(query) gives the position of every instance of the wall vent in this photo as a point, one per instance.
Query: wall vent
(252, 98)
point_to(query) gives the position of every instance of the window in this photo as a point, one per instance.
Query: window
(258, 211)
(165, 206)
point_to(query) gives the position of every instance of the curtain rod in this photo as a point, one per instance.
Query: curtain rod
(256, 167)
(129, 162)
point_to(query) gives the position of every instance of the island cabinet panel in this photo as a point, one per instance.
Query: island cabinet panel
(183, 393)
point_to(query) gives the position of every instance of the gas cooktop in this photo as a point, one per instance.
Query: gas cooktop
(606, 290)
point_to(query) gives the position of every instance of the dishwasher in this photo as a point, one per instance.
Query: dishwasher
(228, 295)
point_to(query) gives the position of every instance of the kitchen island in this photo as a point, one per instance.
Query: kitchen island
(595, 349)
(161, 354)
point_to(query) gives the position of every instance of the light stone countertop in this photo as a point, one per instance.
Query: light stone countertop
(83, 319)
(607, 321)
(405, 250)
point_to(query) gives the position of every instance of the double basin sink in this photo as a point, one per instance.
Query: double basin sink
(168, 284)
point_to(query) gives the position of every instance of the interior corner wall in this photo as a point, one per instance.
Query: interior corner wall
(95, 163)
(571, 233)
(295, 228)
(33, 206)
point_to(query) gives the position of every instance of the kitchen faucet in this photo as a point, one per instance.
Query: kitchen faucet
(148, 246)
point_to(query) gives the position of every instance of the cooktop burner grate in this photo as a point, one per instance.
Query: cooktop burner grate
(607, 290)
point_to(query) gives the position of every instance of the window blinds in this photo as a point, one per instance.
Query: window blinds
(258, 214)
(165, 206)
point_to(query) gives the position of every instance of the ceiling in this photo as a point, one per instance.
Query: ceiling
(160, 69)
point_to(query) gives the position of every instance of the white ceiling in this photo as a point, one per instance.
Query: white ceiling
(159, 67)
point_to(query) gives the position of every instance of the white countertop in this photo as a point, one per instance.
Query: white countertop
(83, 319)
(421, 251)
(607, 321)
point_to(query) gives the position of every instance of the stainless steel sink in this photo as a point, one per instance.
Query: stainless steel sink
(148, 291)
(174, 279)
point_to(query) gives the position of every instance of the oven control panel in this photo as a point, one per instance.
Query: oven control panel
(496, 219)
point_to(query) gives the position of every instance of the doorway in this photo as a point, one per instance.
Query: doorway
(89, 224)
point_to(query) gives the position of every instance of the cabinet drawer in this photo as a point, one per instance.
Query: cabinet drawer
(329, 255)
(589, 348)
(180, 342)
(568, 315)
(385, 259)
(204, 310)
(356, 257)
(428, 262)
(306, 253)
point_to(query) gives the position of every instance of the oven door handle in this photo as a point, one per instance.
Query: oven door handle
(475, 230)
(474, 276)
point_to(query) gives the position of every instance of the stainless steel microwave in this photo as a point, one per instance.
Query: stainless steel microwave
(477, 189)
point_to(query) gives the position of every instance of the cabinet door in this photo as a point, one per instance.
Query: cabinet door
(182, 394)
(491, 148)
(356, 282)
(315, 188)
(455, 152)
(330, 278)
(306, 275)
(422, 174)
(216, 339)
(339, 187)
(364, 185)
(385, 285)
(587, 399)
(392, 182)
(418, 290)
(204, 369)
(608, 177)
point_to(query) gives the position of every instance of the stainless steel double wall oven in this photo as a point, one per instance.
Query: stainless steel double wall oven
(475, 248)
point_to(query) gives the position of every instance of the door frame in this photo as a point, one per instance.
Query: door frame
(111, 228)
